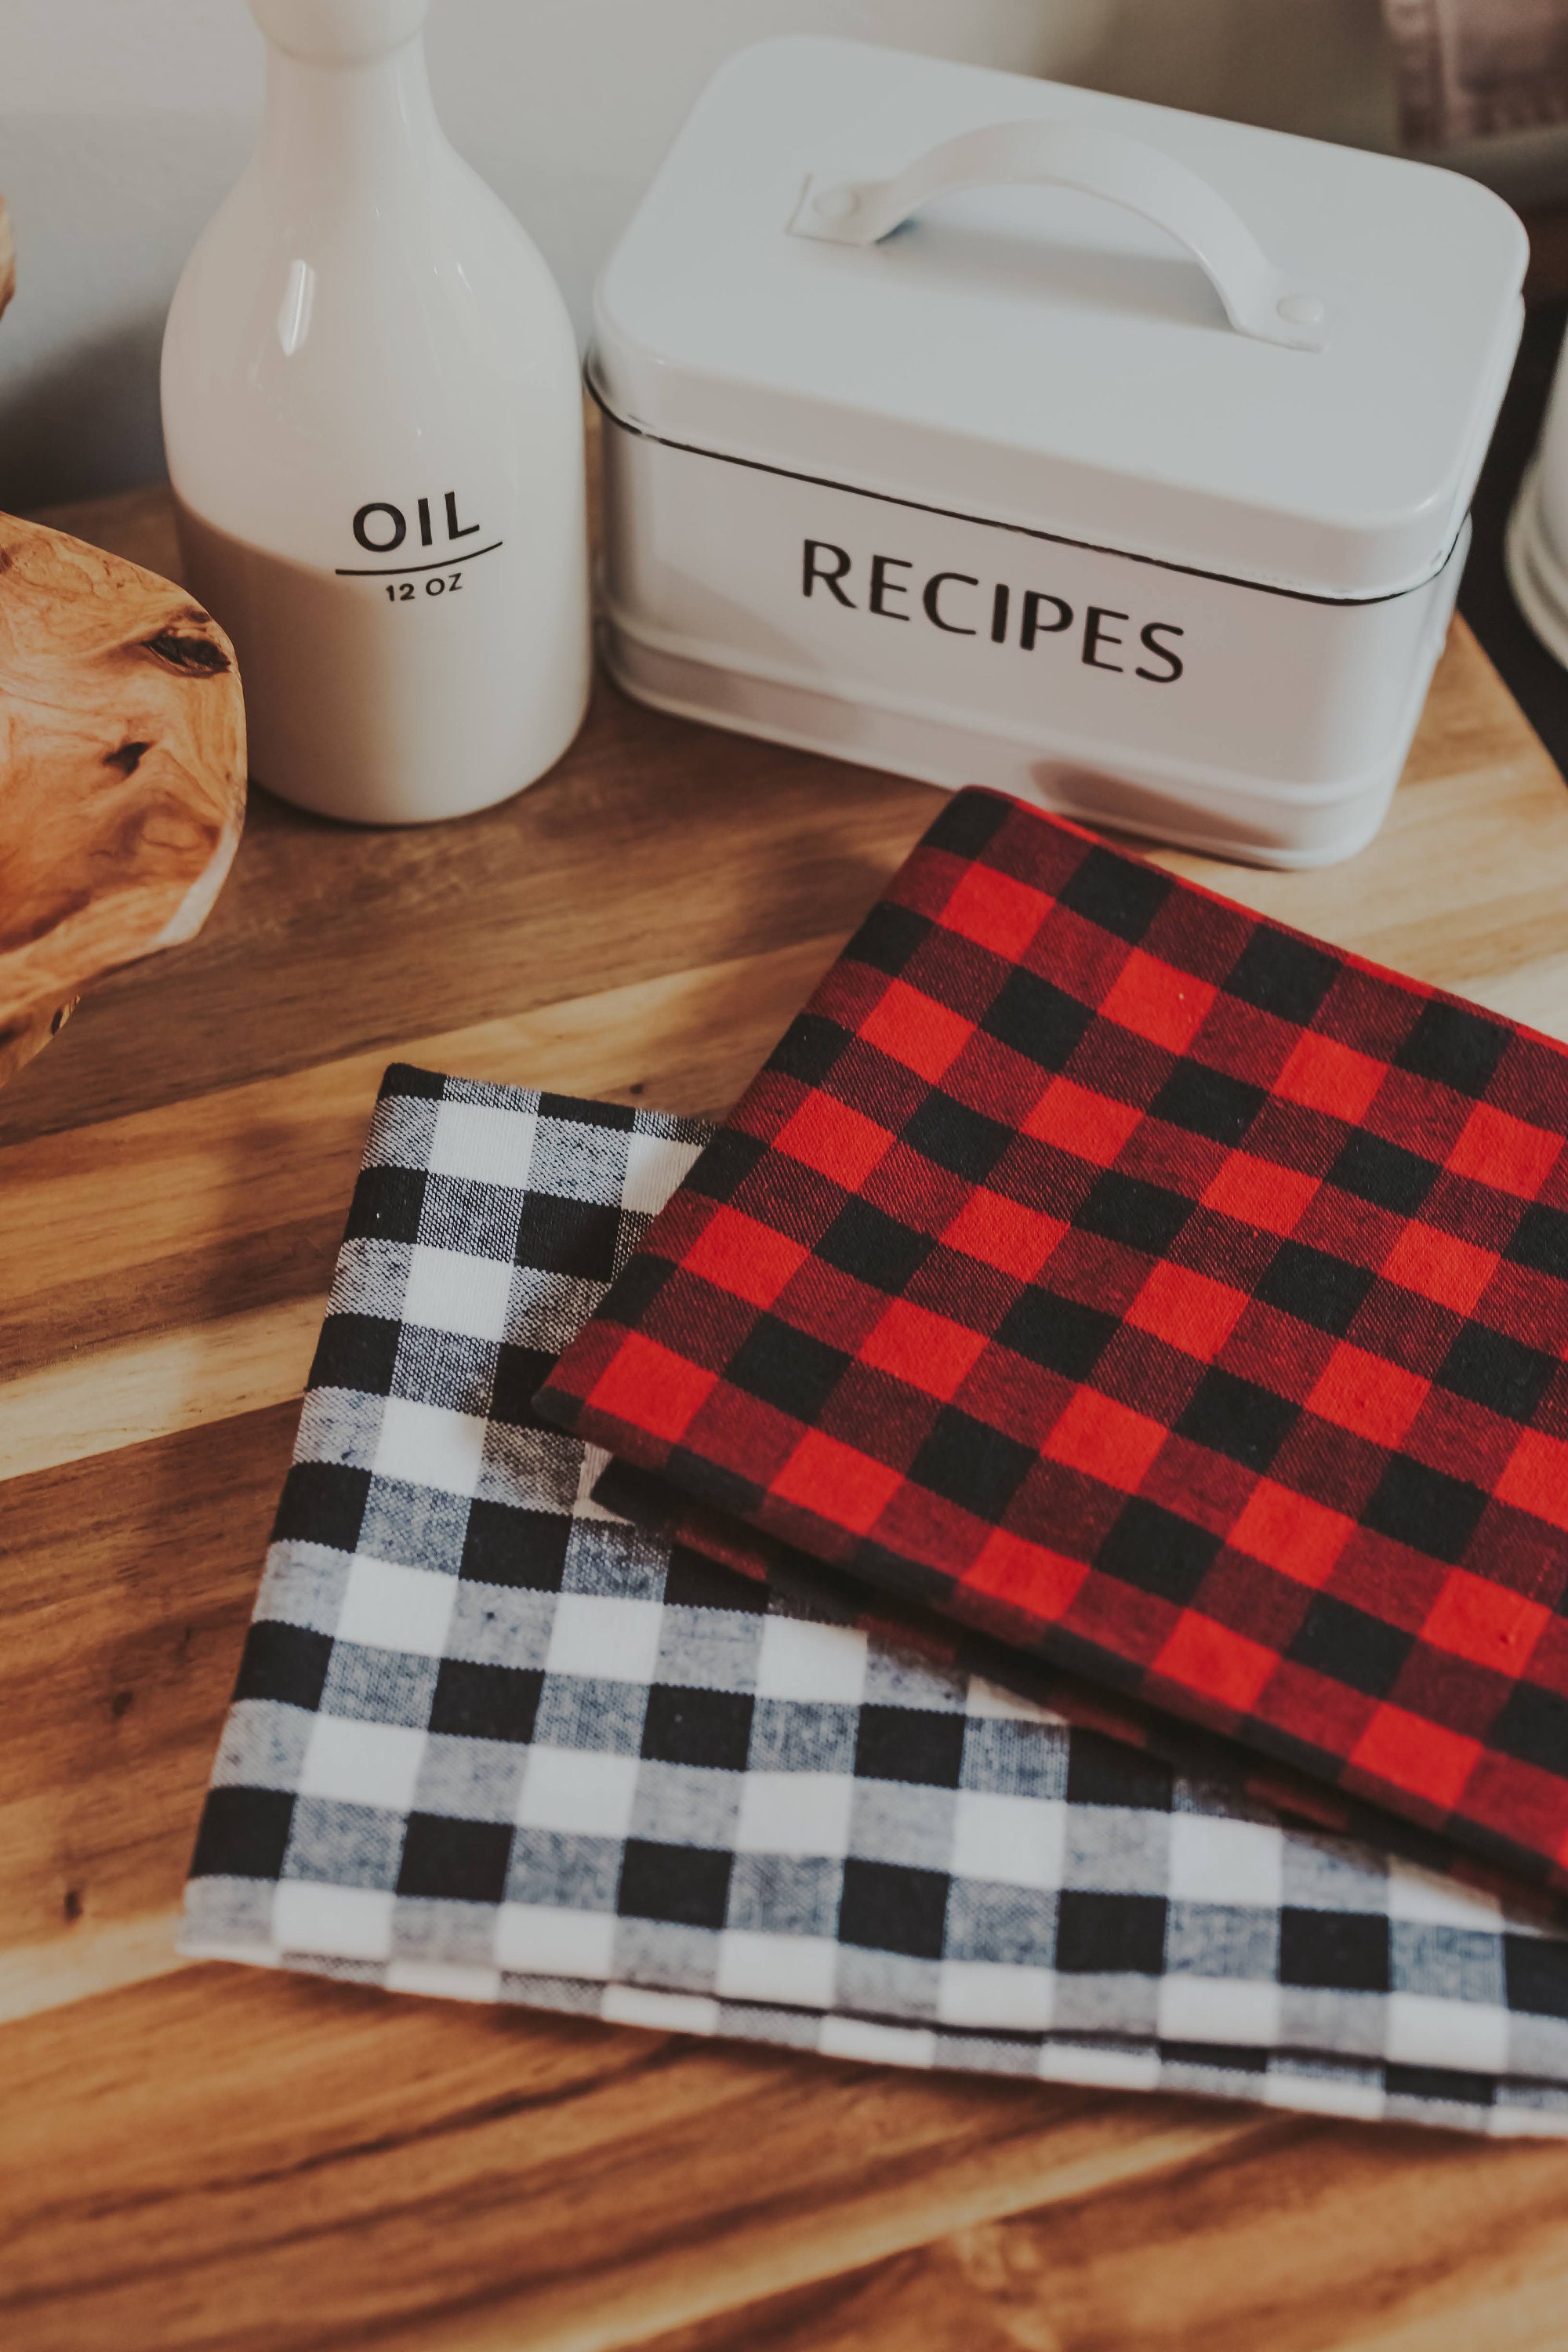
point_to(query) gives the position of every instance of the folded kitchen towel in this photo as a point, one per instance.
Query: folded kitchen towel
(1156, 1290)
(489, 1740)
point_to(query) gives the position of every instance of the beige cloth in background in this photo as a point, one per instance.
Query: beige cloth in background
(1468, 68)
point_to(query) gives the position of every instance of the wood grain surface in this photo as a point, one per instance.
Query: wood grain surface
(202, 2158)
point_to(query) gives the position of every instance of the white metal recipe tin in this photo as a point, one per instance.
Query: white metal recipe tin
(999, 431)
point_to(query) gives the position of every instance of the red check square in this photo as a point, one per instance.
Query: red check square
(1090, 1125)
(995, 911)
(1208, 1657)
(1167, 1006)
(1288, 1531)
(1413, 1754)
(1324, 1074)
(1003, 1233)
(827, 1135)
(1498, 1150)
(1367, 1393)
(648, 1384)
(749, 1260)
(1028, 1575)
(837, 1482)
(1535, 1478)
(1106, 1440)
(1257, 1193)
(915, 1030)
(1440, 1266)
(1486, 1622)
(924, 1350)
(1192, 1311)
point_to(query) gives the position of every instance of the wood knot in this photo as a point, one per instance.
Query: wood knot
(128, 757)
(192, 656)
(71, 1905)
(122, 1704)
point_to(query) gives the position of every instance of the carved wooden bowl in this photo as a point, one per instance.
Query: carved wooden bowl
(121, 769)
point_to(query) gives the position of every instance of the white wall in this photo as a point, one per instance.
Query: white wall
(122, 121)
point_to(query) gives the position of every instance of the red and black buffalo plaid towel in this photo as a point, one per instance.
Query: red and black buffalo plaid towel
(1160, 1290)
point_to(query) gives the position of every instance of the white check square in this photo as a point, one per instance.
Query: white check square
(350, 1923)
(1008, 1997)
(1470, 2034)
(449, 1291)
(537, 1940)
(795, 1813)
(363, 1763)
(801, 1971)
(578, 1793)
(486, 1145)
(1017, 1840)
(655, 1164)
(387, 1607)
(1213, 1860)
(801, 1659)
(426, 1445)
(1219, 2009)
(603, 1637)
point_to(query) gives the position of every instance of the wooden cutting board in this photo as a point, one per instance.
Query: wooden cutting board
(208, 2156)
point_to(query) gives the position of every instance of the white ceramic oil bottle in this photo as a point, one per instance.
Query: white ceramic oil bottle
(375, 431)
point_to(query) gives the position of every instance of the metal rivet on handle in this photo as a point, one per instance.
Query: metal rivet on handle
(1301, 309)
(835, 204)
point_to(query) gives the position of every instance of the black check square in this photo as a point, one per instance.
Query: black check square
(1496, 1372)
(957, 1137)
(505, 1543)
(971, 1464)
(563, 1236)
(1116, 894)
(1119, 1934)
(906, 1743)
(486, 1701)
(1315, 1287)
(454, 1861)
(1425, 1508)
(1062, 1335)
(888, 937)
(1459, 1049)
(1156, 1551)
(1138, 1214)
(1384, 1173)
(1333, 1951)
(808, 1049)
(787, 1367)
(1349, 1646)
(357, 1351)
(684, 1886)
(1037, 1020)
(1239, 1418)
(1282, 974)
(865, 1241)
(711, 1729)
(1208, 1102)
(244, 1833)
(891, 1906)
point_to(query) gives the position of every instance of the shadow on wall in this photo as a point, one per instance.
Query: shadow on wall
(69, 425)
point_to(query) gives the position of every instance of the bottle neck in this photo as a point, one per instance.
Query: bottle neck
(340, 125)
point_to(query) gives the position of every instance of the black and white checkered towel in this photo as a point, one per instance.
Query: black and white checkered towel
(490, 1741)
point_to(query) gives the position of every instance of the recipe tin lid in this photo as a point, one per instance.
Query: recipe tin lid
(1028, 348)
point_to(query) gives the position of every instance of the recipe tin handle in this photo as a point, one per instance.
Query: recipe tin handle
(1259, 299)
